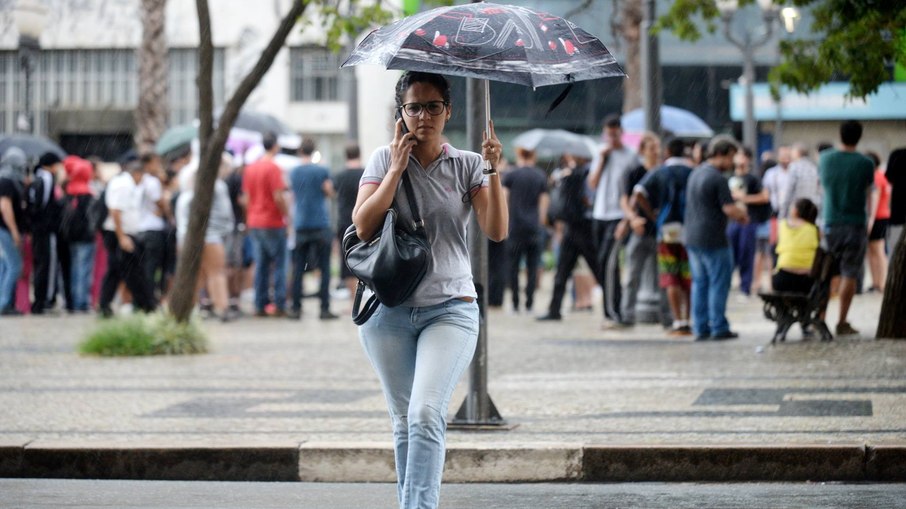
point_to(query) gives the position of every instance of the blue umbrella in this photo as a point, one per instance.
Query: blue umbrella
(677, 121)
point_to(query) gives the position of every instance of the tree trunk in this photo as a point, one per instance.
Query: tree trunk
(212, 142)
(151, 114)
(631, 16)
(892, 322)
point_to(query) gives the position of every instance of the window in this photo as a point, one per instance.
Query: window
(315, 75)
(98, 79)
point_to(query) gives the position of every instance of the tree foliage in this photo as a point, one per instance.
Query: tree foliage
(858, 39)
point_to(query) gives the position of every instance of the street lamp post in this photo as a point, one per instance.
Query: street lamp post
(30, 16)
(748, 43)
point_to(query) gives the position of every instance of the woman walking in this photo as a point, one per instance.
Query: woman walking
(421, 348)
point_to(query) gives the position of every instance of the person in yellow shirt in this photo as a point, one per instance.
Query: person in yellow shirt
(797, 243)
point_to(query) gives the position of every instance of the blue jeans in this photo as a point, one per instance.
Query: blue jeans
(82, 270)
(269, 249)
(419, 353)
(711, 273)
(743, 241)
(10, 269)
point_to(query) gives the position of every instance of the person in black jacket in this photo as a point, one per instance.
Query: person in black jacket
(44, 214)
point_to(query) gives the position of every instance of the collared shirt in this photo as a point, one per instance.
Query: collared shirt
(439, 192)
(125, 195)
(152, 191)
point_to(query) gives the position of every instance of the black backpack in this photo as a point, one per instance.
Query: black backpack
(74, 226)
(568, 200)
(97, 212)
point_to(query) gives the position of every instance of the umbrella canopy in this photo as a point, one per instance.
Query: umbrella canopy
(678, 121)
(175, 138)
(489, 41)
(33, 145)
(551, 143)
(252, 125)
(247, 131)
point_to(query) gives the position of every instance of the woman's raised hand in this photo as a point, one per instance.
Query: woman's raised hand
(401, 147)
(491, 148)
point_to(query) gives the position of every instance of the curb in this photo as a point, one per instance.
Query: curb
(373, 462)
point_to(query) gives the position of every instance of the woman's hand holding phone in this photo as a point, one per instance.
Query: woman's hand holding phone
(401, 146)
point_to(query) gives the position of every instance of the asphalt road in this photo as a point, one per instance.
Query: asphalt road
(72, 494)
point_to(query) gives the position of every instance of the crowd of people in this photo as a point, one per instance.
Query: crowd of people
(71, 242)
(691, 214)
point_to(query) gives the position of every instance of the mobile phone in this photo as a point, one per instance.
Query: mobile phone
(399, 116)
(405, 130)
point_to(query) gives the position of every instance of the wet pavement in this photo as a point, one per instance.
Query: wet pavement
(40, 494)
(557, 384)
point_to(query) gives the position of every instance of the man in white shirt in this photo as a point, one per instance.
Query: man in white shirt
(608, 172)
(124, 252)
(153, 222)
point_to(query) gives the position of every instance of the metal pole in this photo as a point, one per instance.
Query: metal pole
(478, 410)
(25, 62)
(651, 71)
(748, 75)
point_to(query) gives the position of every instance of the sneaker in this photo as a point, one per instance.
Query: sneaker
(295, 314)
(682, 330)
(845, 329)
(723, 336)
(549, 318)
(703, 337)
(260, 313)
(327, 315)
(10, 312)
(614, 325)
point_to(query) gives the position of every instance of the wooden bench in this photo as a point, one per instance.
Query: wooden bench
(786, 308)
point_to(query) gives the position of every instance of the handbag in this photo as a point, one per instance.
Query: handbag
(392, 263)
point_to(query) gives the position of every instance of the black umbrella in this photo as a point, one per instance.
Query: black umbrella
(492, 42)
(33, 145)
(489, 41)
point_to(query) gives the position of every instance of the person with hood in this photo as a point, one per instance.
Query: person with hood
(13, 171)
(77, 233)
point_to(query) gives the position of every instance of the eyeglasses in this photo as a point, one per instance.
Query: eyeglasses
(434, 108)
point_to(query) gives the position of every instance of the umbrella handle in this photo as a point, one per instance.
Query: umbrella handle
(487, 116)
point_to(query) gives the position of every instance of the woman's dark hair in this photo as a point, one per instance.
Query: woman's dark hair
(806, 210)
(410, 77)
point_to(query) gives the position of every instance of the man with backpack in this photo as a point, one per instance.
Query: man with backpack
(661, 195)
(44, 215)
(571, 205)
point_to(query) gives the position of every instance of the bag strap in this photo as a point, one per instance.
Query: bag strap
(413, 205)
(359, 317)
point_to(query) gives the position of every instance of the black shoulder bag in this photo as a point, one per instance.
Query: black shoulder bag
(392, 263)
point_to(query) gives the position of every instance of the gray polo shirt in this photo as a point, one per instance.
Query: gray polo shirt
(439, 191)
